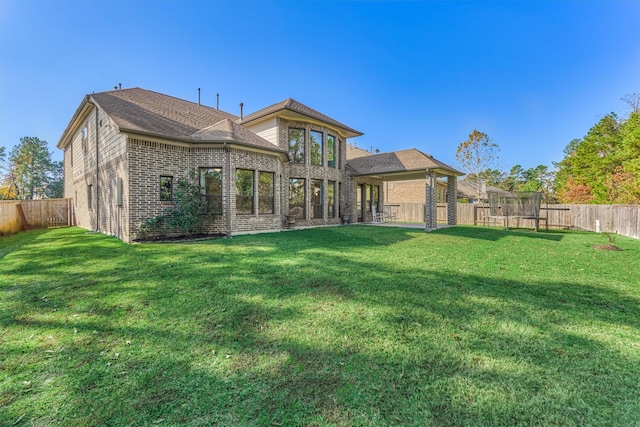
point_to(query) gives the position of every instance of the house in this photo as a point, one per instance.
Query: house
(468, 191)
(124, 151)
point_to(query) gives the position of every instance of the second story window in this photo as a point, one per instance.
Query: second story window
(85, 139)
(296, 145)
(331, 151)
(316, 148)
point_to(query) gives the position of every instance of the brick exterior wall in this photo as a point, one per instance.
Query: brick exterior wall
(150, 160)
(125, 186)
(84, 182)
(411, 191)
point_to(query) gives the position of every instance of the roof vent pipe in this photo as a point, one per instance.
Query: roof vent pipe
(198, 96)
(217, 101)
(119, 86)
(241, 105)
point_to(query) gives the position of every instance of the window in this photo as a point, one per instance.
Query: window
(296, 197)
(211, 188)
(166, 188)
(265, 192)
(331, 199)
(244, 191)
(331, 151)
(316, 198)
(316, 148)
(85, 138)
(90, 196)
(337, 154)
(296, 145)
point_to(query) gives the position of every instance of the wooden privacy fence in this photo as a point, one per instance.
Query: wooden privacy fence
(18, 215)
(620, 219)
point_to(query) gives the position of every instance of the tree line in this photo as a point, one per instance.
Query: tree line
(603, 167)
(28, 172)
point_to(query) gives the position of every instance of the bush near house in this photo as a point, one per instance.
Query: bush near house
(334, 326)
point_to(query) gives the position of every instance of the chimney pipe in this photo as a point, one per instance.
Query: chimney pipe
(241, 105)
(198, 96)
(119, 86)
(217, 101)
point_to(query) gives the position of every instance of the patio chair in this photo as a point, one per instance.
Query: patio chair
(388, 215)
(377, 217)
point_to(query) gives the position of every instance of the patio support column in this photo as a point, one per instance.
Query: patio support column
(452, 202)
(431, 209)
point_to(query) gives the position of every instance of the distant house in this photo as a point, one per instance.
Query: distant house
(468, 191)
(124, 151)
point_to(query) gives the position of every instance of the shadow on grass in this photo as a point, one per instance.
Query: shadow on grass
(495, 234)
(331, 327)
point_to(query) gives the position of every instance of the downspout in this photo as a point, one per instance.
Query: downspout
(97, 169)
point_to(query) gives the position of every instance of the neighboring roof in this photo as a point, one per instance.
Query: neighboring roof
(469, 189)
(299, 109)
(398, 164)
(354, 152)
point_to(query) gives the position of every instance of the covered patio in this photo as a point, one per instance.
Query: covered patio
(407, 165)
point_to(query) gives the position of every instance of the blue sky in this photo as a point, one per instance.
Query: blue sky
(532, 75)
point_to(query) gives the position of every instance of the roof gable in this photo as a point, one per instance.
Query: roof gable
(227, 130)
(398, 162)
(294, 106)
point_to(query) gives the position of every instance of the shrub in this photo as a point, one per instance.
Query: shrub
(186, 216)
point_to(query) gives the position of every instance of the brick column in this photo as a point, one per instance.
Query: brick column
(452, 200)
(431, 209)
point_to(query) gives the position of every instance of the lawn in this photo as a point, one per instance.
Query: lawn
(348, 326)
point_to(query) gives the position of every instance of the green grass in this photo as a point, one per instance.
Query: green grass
(335, 326)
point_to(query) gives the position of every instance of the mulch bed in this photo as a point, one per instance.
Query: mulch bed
(607, 247)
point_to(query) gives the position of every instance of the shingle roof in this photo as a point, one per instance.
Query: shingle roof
(397, 162)
(297, 107)
(148, 112)
(151, 112)
(227, 130)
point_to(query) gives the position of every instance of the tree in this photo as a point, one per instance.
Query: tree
(604, 166)
(476, 155)
(633, 101)
(31, 172)
(56, 183)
